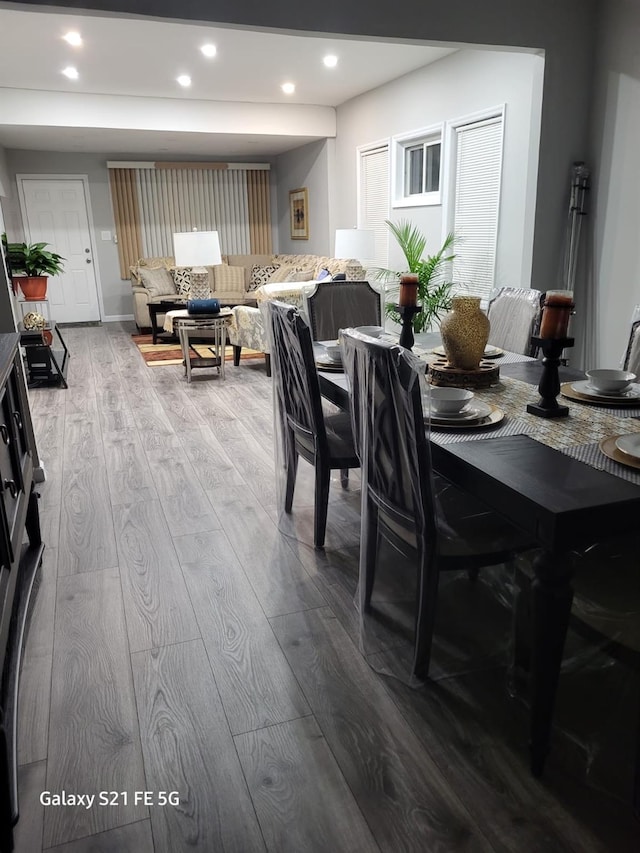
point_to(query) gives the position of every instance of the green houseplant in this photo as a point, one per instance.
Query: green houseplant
(434, 291)
(30, 265)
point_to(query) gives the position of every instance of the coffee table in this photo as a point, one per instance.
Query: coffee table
(162, 307)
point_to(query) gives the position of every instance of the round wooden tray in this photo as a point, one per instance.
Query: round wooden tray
(442, 374)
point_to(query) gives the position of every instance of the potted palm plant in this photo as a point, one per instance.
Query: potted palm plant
(30, 265)
(434, 291)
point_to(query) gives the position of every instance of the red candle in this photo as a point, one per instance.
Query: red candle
(558, 305)
(408, 289)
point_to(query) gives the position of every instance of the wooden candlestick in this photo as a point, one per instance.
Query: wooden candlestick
(407, 313)
(549, 387)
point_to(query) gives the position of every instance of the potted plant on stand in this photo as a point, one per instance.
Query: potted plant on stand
(434, 291)
(30, 265)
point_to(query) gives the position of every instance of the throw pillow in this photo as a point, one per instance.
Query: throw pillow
(229, 280)
(182, 279)
(302, 275)
(282, 274)
(261, 274)
(159, 282)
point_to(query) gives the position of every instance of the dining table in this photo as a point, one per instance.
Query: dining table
(550, 479)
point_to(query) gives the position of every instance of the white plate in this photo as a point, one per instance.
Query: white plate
(489, 351)
(584, 387)
(473, 412)
(629, 444)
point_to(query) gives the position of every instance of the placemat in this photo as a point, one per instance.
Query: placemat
(509, 426)
(591, 454)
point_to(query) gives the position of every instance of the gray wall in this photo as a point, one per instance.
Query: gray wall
(308, 167)
(453, 87)
(564, 29)
(614, 221)
(116, 293)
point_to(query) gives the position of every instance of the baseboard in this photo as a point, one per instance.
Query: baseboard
(117, 318)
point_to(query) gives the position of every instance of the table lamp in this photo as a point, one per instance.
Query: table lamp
(197, 249)
(354, 245)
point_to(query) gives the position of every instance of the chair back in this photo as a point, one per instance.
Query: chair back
(631, 359)
(296, 381)
(389, 432)
(335, 305)
(514, 314)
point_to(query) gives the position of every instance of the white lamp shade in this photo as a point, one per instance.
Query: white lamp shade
(197, 249)
(356, 243)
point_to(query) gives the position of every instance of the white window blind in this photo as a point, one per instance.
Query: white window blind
(478, 159)
(373, 199)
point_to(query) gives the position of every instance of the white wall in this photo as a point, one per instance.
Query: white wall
(457, 85)
(308, 167)
(4, 174)
(615, 205)
(116, 293)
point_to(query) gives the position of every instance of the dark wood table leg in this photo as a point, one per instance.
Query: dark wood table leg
(551, 597)
(153, 315)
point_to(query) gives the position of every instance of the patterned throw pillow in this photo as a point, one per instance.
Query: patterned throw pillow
(182, 279)
(229, 280)
(261, 274)
(159, 282)
(282, 274)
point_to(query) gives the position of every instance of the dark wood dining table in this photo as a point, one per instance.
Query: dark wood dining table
(564, 504)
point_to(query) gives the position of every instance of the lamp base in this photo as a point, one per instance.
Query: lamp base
(355, 271)
(200, 288)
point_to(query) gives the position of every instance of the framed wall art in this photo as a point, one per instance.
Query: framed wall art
(299, 213)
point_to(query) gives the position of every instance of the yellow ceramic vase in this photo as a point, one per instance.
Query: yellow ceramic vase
(465, 331)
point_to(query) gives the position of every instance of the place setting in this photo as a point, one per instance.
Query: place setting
(457, 409)
(604, 387)
(328, 357)
(624, 449)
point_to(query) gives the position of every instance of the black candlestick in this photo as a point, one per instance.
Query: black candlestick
(407, 313)
(549, 387)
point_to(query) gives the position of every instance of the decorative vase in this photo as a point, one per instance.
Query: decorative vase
(465, 331)
(34, 287)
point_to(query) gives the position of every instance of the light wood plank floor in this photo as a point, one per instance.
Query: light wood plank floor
(180, 642)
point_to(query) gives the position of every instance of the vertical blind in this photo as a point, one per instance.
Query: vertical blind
(373, 199)
(153, 201)
(478, 159)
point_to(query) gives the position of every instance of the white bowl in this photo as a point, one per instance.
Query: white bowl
(449, 401)
(608, 381)
(372, 331)
(334, 352)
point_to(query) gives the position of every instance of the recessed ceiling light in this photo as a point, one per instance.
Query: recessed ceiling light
(73, 38)
(330, 61)
(288, 88)
(209, 49)
(184, 80)
(70, 72)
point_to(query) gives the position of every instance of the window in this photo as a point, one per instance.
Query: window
(477, 165)
(416, 168)
(373, 197)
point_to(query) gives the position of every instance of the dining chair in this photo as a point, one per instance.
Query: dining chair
(514, 314)
(631, 359)
(335, 305)
(322, 439)
(439, 528)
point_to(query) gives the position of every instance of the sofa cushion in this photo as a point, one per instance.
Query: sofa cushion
(229, 279)
(159, 282)
(261, 274)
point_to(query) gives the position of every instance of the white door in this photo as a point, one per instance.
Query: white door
(55, 212)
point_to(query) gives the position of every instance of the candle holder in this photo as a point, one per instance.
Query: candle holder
(549, 387)
(407, 313)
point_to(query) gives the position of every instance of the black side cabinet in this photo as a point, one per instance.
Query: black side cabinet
(20, 558)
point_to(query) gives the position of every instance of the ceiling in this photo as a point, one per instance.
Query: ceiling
(139, 57)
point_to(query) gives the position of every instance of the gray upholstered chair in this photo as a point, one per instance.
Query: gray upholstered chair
(514, 314)
(631, 359)
(335, 305)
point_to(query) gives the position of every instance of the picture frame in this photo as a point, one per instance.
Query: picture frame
(299, 213)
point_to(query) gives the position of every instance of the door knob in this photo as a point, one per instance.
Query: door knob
(88, 260)
(87, 250)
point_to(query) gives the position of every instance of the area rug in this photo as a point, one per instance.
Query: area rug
(162, 355)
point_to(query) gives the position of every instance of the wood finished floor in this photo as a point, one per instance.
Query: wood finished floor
(180, 642)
